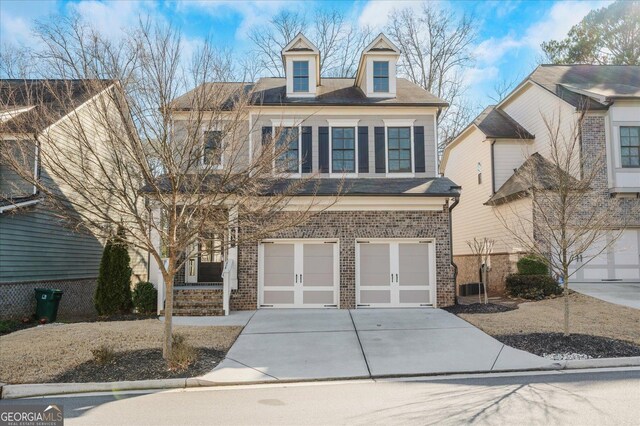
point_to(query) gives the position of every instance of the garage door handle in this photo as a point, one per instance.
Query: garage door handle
(296, 278)
(391, 277)
(397, 278)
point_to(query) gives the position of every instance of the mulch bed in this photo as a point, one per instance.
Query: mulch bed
(145, 364)
(479, 308)
(9, 326)
(550, 343)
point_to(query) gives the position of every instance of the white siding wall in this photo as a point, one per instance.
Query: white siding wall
(535, 106)
(508, 155)
(471, 218)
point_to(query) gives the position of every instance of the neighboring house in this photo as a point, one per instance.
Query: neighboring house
(486, 158)
(386, 240)
(37, 249)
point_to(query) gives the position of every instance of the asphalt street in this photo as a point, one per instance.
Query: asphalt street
(592, 397)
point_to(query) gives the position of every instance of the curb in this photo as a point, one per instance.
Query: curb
(50, 389)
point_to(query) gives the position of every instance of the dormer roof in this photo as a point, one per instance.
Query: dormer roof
(380, 45)
(301, 45)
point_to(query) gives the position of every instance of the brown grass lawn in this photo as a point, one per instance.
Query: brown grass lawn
(587, 316)
(38, 354)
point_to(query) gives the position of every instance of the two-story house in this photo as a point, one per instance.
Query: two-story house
(37, 247)
(385, 241)
(601, 104)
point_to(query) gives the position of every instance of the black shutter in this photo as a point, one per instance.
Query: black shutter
(266, 135)
(363, 149)
(307, 158)
(418, 151)
(380, 154)
(323, 149)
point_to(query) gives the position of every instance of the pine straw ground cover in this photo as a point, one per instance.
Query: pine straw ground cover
(42, 354)
(588, 316)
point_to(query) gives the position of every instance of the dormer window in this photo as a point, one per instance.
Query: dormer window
(301, 76)
(381, 76)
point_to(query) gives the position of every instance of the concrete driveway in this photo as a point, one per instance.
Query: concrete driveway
(625, 294)
(325, 344)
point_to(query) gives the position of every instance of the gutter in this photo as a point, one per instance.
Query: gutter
(18, 205)
(455, 267)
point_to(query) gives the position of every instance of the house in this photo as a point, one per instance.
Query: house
(505, 139)
(38, 249)
(385, 242)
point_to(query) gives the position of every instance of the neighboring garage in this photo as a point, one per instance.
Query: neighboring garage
(619, 261)
(395, 273)
(298, 274)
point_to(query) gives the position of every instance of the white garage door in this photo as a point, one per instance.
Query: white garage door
(298, 274)
(395, 273)
(620, 261)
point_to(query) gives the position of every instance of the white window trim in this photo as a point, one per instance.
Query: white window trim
(293, 77)
(398, 123)
(343, 123)
(288, 122)
(220, 166)
(373, 71)
(618, 144)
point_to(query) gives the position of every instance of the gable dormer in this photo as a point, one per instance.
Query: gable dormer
(376, 75)
(301, 60)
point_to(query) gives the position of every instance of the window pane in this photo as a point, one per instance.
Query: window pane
(634, 132)
(288, 160)
(380, 69)
(343, 151)
(213, 147)
(380, 84)
(300, 76)
(399, 146)
(630, 146)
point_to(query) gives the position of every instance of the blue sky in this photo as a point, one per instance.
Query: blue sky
(510, 31)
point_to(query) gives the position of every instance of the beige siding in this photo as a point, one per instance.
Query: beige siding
(471, 218)
(536, 109)
(508, 155)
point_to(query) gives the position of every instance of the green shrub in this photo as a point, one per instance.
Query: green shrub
(532, 265)
(113, 292)
(145, 297)
(532, 286)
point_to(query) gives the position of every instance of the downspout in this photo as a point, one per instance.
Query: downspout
(455, 267)
(493, 169)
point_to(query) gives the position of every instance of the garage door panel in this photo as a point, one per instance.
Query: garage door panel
(375, 296)
(375, 267)
(414, 264)
(318, 266)
(278, 297)
(415, 296)
(626, 248)
(317, 297)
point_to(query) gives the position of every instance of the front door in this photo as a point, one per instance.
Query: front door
(298, 274)
(210, 259)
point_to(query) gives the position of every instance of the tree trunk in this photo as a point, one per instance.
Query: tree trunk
(485, 278)
(566, 302)
(168, 318)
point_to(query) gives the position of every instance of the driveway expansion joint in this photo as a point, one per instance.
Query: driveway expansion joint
(496, 360)
(253, 368)
(364, 356)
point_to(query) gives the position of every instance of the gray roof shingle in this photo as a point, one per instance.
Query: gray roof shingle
(497, 124)
(271, 91)
(593, 86)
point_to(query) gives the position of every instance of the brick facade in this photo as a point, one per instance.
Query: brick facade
(502, 264)
(347, 226)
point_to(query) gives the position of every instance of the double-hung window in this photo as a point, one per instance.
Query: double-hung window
(288, 150)
(381, 76)
(213, 148)
(399, 150)
(630, 146)
(300, 76)
(343, 149)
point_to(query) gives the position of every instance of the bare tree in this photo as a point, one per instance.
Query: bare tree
(482, 249)
(502, 87)
(338, 41)
(133, 156)
(570, 221)
(436, 48)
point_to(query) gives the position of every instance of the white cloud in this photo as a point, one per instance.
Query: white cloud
(473, 76)
(113, 18)
(492, 49)
(252, 13)
(16, 20)
(375, 14)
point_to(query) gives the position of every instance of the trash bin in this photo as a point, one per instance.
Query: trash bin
(47, 301)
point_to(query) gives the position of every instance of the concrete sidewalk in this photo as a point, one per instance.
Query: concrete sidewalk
(625, 294)
(336, 344)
